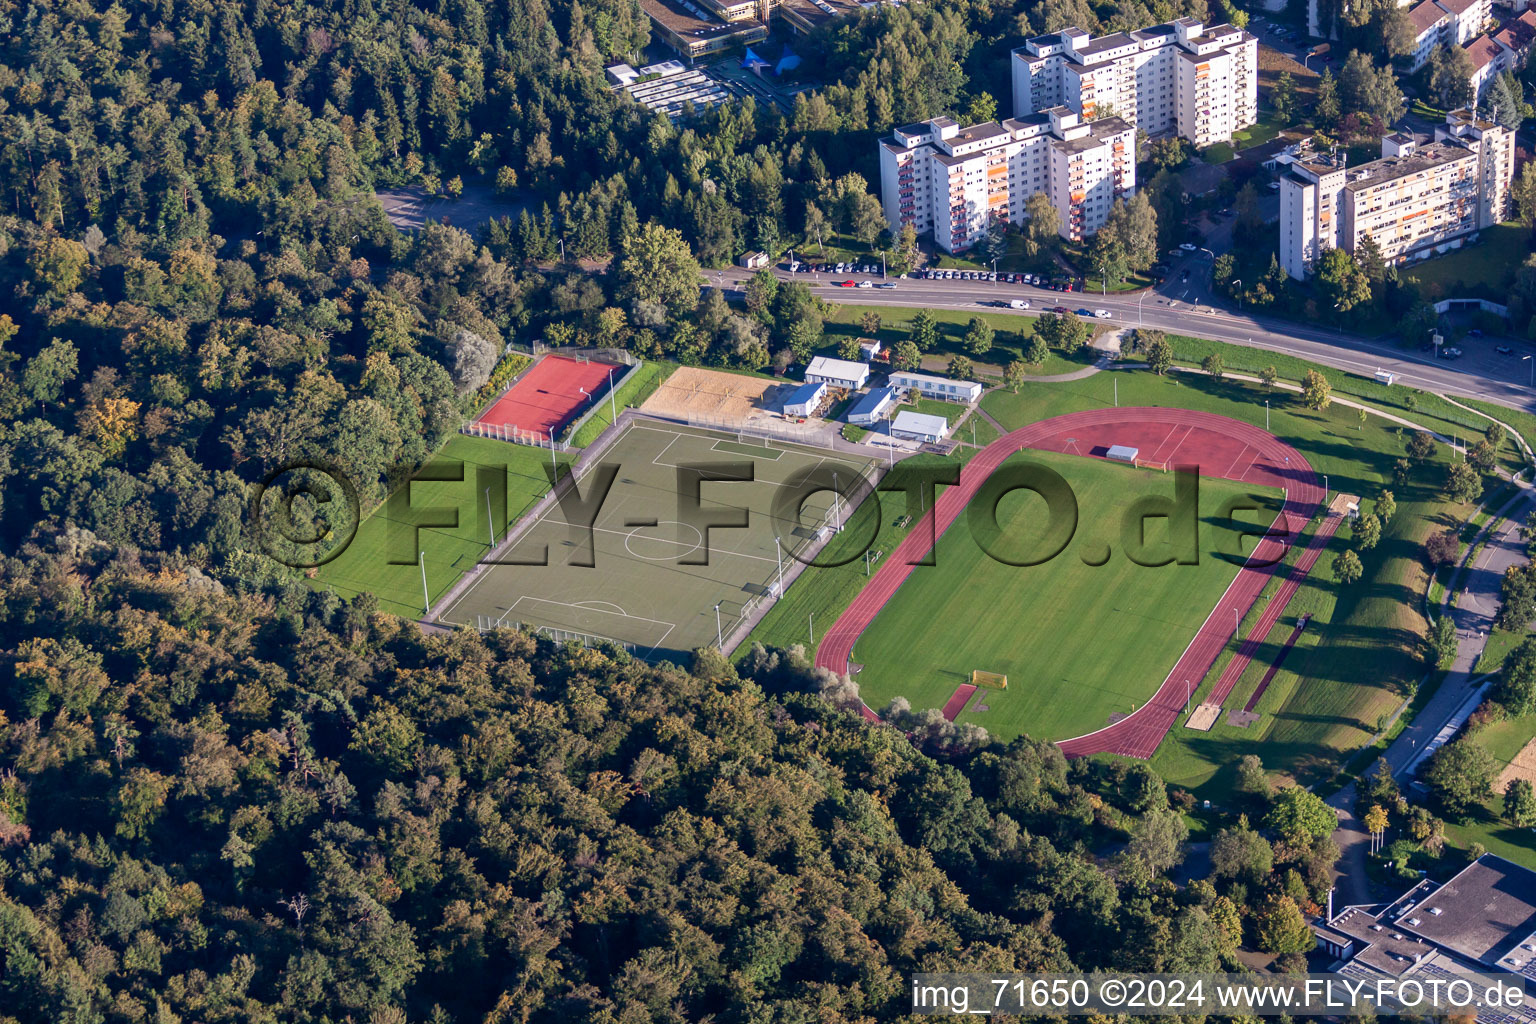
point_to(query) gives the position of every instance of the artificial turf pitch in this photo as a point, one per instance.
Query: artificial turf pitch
(1078, 642)
(640, 589)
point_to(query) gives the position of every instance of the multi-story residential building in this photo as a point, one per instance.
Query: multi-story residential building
(1182, 77)
(1430, 24)
(1418, 199)
(1471, 18)
(957, 182)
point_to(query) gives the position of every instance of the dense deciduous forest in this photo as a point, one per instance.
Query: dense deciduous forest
(226, 797)
(238, 807)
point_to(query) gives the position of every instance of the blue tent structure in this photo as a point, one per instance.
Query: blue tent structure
(752, 62)
(788, 61)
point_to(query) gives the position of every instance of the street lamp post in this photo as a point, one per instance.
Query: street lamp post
(1266, 415)
(490, 517)
(1528, 359)
(994, 271)
(719, 635)
(1139, 319)
(1236, 285)
(778, 550)
(553, 464)
(421, 560)
(613, 408)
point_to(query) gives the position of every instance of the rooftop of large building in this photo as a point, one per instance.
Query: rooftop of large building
(692, 23)
(1391, 168)
(1486, 912)
(1099, 132)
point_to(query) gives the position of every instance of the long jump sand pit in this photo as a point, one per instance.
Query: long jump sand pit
(1522, 767)
(721, 397)
(1203, 717)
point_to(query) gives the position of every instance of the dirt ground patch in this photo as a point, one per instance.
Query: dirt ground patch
(1522, 767)
(1272, 63)
(728, 397)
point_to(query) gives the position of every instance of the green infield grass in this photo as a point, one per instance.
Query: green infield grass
(1078, 642)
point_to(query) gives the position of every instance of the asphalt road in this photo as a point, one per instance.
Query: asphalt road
(1182, 306)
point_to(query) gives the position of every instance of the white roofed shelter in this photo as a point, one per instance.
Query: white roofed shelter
(919, 426)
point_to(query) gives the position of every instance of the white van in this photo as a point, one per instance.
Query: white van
(1019, 303)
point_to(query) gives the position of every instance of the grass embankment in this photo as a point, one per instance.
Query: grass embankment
(1012, 334)
(632, 392)
(1486, 824)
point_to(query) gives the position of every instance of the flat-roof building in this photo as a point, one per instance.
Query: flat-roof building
(696, 33)
(839, 373)
(1483, 919)
(804, 399)
(919, 426)
(1182, 77)
(929, 386)
(1418, 199)
(957, 183)
(872, 407)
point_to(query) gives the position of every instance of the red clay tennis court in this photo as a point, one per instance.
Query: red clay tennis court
(549, 395)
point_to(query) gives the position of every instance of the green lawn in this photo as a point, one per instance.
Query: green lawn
(1049, 626)
(633, 391)
(1011, 332)
(1267, 128)
(1484, 270)
(1500, 643)
(450, 552)
(821, 593)
(1422, 407)
(1502, 740)
(1361, 659)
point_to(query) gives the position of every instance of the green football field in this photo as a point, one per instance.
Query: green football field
(1077, 641)
(365, 566)
(640, 588)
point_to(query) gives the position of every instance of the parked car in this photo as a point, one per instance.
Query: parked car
(1188, 246)
(845, 284)
(1505, 350)
(1102, 314)
(1476, 332)
(1176, 253)
(866, 284)
(886, 284)
(1085, 312)
(1059, 310)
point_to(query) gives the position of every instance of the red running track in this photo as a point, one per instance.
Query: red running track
(549, 395)
(1216, 445)
(957, 700)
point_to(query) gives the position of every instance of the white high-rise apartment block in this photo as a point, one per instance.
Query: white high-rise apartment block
(1181, 77)
(957, 182)
(1419, 199)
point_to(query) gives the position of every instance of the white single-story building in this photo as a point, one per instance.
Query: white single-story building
(804, 399)
(870, 348)
(839, 373)
(872, 407)
(930, 386)
(919, 426)
(753, 260)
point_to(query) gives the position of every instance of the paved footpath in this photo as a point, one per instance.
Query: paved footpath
(1476, 590)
